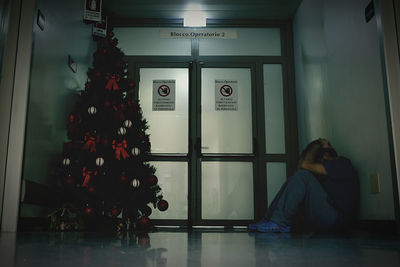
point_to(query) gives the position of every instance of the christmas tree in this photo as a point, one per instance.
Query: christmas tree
(104, 167)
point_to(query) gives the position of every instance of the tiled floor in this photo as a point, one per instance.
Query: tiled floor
(198, 248)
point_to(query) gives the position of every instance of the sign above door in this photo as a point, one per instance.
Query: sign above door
(198, 33)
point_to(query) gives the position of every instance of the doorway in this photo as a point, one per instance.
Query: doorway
(221, 132)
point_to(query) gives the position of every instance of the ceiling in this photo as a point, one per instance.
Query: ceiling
(214, 9)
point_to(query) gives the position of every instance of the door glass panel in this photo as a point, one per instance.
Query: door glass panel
(249, 42)
(274, 109)
(276, 177)
(173, 180)
(168, 129)
(227, 190)
(226, 131)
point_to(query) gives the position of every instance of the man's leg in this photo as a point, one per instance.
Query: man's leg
(302, 188)
(271, 208)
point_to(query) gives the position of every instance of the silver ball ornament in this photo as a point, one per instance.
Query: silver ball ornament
(99, 161)
(92, 110)
(128, 124)
(136, 151)
(66, 161)
(121, 131)
(135, 183)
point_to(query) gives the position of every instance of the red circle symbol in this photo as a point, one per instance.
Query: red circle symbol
(164, 90)
(226, 90)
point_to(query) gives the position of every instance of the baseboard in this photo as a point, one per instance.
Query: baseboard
(369, 226)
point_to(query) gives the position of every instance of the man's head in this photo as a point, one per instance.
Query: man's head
(328, 152)
(318, 151)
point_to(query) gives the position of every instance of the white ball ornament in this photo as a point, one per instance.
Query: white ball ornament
(66, 162)
(99, 161)
(121, 131)
(135, 183)
(136, 151)
(128, 123)
(92, 110)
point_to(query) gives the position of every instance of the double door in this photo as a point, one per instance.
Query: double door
(204, 127)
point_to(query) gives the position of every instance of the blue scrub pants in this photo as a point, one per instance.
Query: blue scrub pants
(302, 192)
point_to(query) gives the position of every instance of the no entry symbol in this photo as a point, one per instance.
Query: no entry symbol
(164, 90)
(226, 90)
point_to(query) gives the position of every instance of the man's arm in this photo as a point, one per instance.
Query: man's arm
(317, 168)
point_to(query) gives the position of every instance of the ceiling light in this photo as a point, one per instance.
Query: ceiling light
(194, 19)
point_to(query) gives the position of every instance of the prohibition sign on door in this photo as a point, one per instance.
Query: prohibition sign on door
(164, 90)
(163, 95)
(226, 90)
(226, 95)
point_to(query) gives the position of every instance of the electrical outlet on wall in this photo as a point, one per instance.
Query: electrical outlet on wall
(375, 183)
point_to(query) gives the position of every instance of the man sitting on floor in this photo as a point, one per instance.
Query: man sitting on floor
(324, 192)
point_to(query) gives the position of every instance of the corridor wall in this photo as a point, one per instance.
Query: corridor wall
(340, 93)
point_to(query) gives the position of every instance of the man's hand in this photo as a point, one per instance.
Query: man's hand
(324, 142)
(317, 168)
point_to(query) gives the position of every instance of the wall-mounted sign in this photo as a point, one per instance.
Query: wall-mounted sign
(226, 95)
(92, 11)
(100, 28)
(163, 95)
(198, 33)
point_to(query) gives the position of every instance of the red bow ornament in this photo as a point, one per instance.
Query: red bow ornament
(112, 83)
(119, 149)
(87, 174)
(90, 142)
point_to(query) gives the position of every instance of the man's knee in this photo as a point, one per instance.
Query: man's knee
(303, 175)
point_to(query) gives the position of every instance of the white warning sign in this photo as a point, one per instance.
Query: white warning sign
(163, 95)
(226, 95)
(92, 11)
(100, 28)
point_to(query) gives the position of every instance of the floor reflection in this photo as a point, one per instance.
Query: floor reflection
(198, 248)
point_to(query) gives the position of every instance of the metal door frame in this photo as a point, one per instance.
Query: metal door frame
(195, 62)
